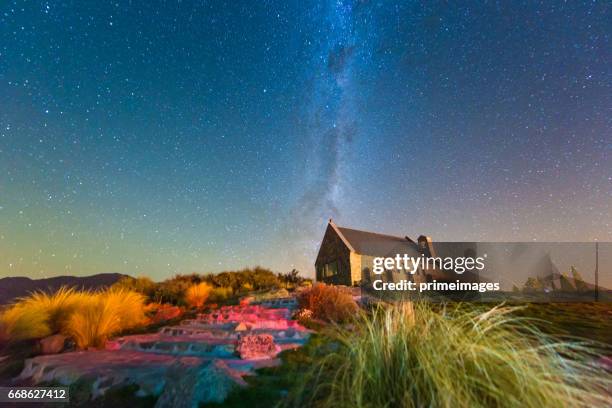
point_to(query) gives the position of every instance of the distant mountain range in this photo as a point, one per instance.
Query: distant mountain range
(15, 287)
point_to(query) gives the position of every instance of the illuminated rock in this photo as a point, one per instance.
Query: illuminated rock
(241, 327)
(257, 346)
(53, 344)
(188, 387)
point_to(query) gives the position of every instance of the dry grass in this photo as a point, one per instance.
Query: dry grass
(405, 356)
(40, 314)
(103, 314)
(196, 295)
(329, 303)
(89, 317)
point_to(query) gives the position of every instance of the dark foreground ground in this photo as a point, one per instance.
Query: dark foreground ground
(590, 321)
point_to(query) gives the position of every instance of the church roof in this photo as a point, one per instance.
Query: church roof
(375, 244)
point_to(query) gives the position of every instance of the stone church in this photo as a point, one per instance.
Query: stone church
(346, 255)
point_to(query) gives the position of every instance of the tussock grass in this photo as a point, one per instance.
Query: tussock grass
(409, 355)
(89, 317)
(103, 314)
(40, 314)
(196, 295)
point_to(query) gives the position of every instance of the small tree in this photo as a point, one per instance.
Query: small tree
(291, 279)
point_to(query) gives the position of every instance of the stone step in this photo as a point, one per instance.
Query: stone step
(195, 332)
(181, 348)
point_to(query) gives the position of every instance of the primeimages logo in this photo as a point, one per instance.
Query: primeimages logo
(411, 264)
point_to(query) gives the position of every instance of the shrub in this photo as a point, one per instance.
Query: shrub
(405, 356)
(293, 279)
(104, 314)
(218, 295)
(89, 317)
(245, 280)
(262, 278)
(173, 290)
(196, 295)
(141, 284)
(329, 303)
(40, 314)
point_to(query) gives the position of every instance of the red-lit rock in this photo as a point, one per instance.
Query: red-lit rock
(257, 346)
(53, 344)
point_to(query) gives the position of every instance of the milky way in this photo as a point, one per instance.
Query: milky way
(329, 114)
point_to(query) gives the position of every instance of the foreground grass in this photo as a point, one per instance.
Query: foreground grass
(405, 356)
(591, 321)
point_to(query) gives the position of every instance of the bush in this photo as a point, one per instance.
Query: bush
(261, 278)
(142, 284)
(245, 280)
(40, 314)
(405, 356)
(104, 314)
(293, 280)
(196, 295)
(173, 290)
(89, 317)
(329, 303)
(218, 295)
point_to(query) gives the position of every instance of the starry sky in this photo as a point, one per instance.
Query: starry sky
(155, 138)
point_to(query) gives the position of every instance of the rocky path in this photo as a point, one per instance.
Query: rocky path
(199, 360)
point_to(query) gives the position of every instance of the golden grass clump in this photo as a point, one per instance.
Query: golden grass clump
(413, 356)
(328, 302)
(40, 314)
(103, 314)
(196, 295)
(89, 317)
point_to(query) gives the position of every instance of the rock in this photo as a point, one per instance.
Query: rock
(241, 327)
(303, 315)
(188, 387)
(112, 345)
(53, 344)
(104, 367)
(257, 346)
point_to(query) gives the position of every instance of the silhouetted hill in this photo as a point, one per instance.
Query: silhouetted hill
(11, 288)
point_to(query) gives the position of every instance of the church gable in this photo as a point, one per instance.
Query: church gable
(333, 261)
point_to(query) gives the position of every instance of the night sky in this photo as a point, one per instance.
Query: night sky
(155, 138)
